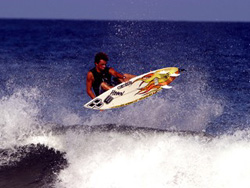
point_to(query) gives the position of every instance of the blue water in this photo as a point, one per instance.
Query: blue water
(43, 67)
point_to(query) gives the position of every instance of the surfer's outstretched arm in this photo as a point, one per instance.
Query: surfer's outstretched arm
(128, 76)
(116, 74)
(121, 77)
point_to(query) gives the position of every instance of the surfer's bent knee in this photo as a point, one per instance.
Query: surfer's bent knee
(105, 86)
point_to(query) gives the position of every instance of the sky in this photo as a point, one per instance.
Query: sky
(167, 10)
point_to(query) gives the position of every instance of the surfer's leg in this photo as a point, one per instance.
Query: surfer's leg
(105, 86)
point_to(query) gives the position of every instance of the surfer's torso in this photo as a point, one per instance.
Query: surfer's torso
(99, 77)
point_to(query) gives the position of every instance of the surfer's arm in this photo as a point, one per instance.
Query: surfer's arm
(116, 74)
(90, 79)
(122, 77)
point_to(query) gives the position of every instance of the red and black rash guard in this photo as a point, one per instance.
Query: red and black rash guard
(103, 76)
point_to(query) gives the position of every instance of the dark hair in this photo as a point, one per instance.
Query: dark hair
(101, 56)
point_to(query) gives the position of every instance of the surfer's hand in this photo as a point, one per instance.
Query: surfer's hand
(124, 79)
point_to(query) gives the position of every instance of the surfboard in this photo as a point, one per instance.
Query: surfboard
(136, 89)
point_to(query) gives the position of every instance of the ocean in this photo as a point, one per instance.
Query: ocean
(193, 135)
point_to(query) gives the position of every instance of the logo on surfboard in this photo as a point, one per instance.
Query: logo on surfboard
(125, 85)
(109, 98)
(96, 104)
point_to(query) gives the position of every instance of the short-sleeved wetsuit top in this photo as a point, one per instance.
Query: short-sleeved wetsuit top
(103, 76)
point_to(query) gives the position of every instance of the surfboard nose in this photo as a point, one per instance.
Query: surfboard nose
(182, 70)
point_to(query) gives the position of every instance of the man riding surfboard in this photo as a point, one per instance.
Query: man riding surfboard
(100, 79)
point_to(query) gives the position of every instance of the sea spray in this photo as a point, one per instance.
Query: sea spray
(190, 105)
(18, 116)
(154, 159)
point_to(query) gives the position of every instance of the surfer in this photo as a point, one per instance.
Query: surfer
(100, 77)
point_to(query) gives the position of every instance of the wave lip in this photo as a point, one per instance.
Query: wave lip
(31, 166)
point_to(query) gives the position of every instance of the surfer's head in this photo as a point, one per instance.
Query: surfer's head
(101, 61)
(101, 56)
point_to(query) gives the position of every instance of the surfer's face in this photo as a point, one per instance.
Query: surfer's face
(101, 65)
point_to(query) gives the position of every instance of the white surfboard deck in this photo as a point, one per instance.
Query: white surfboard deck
(135, 89)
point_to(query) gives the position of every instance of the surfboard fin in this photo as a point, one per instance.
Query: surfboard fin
(174, 75)
(166, 87)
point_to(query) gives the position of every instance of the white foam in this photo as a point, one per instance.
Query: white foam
(137, 159)
(110, 159)
(65, 117)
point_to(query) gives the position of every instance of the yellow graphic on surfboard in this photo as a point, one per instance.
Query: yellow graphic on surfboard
(157, 80)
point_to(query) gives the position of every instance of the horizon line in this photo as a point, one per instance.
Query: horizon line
(122, 20)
